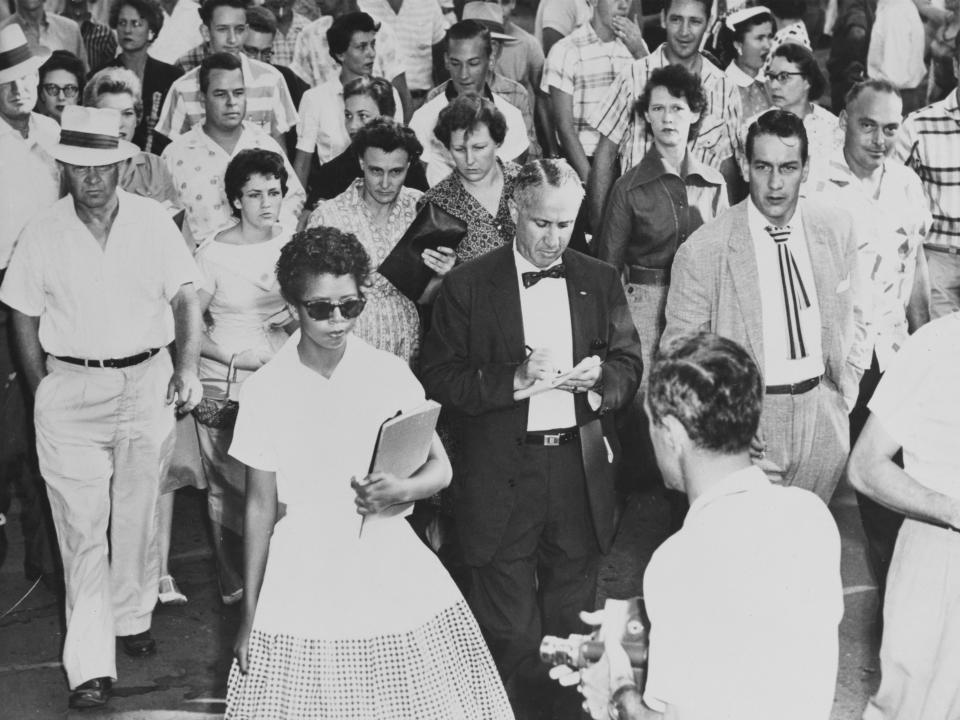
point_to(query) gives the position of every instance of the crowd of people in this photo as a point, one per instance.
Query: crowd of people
(714, 264)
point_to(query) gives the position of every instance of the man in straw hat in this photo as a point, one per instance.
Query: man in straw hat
(29, 182)
(100, 283)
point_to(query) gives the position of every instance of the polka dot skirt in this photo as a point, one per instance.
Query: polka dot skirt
(439, 671)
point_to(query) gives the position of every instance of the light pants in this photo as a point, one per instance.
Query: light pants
(944, 283)
(104, 441)
(920, 652)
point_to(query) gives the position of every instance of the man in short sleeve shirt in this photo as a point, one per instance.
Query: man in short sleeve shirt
(100, 283)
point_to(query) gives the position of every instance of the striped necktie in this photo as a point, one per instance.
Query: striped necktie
(794, 293)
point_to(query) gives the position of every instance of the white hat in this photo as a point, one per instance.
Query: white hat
(738, 16)
(490, 15)
(16, 57)
(91, 136)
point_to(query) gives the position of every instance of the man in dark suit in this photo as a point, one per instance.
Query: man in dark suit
(534, 494)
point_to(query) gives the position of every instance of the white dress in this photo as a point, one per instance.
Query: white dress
(346, 626)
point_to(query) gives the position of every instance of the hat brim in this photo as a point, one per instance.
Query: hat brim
(502, 38)
(24, 68)
(92, 157)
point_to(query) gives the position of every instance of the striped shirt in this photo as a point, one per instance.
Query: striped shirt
(269, 105)
(101, 44)
(313, 62)
(418, 26)
(583, 66)
(929, 142)
(614, 117)
(284, 45)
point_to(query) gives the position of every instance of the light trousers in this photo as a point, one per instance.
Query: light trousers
(104, 441)
(944, 283)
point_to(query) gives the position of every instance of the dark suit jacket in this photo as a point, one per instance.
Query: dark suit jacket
(469, 358)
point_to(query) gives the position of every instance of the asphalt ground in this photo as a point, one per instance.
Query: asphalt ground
(186, 679)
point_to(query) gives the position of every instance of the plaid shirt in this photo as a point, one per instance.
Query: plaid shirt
(929, 142)
(269, 105)
(101, 43)
(193, 57)
(583, 66)
(283, 45)
(615, 119)
(418, 26)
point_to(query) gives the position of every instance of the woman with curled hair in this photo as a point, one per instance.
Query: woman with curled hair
(378, 209)
(745, 41)
(145, 174)
(479, 189)
(247, 324)
(795, 82)
(137, 24)
(364, 100)
(372, 626)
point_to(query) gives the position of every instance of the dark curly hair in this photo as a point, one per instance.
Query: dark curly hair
(712, 386)
(680, 83)
(466, 113)
(247, 163)
(149, 10)
(341, 32)
(782, 124)
(386, 134)
(807, 64)
(375, 88)
(320, 251)
(68, 62)
(217, 61)
(208, 6)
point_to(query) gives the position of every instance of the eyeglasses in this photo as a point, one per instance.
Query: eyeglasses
(258, 54)
(53, 90)
(135, 24)
(782, 77)
(323, 309)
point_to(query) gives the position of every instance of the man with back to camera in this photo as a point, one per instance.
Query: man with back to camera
(100, 284)
(534, 502)
(781, 278)
(745, 600)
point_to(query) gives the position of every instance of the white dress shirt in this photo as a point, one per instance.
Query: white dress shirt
(778, 367)
(545, 308)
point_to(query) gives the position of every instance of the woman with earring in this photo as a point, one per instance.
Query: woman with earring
(247, 319)
(745, 40)
(137, 23)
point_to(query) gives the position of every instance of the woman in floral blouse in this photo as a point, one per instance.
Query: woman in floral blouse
(378, 209)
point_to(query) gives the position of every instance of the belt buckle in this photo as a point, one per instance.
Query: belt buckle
(551, 440)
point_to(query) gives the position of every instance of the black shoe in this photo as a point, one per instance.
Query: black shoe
(91, 694)
(139, 645)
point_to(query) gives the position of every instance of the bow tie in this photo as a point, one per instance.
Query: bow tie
(532, 278)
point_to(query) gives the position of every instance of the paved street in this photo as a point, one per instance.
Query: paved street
(186, 679)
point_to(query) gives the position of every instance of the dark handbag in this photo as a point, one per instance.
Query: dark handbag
(218, 408)
(433, 227)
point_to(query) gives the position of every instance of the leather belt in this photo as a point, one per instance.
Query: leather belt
(795, 389)
(943, 249)
(113, 363)
(552, 439)
(639, 275)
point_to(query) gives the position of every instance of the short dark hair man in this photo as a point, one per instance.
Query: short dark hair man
(781, 278)
(745, 600)
(100, 284)
(531, 526)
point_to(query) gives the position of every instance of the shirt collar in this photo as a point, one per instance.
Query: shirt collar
(738, 76)
(525, 266)
(758, 223)
(740, 481)
(450, 92)
(651, 167)
(44, 21)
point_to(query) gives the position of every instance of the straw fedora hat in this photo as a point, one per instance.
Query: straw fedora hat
(490, 15)
(91, 136)
(16, 57)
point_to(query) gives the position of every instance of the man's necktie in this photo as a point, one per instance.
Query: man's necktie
(532, 278)
(794, 293)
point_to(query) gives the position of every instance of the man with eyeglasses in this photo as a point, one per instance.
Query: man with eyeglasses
(198, 159)
(532, 349)
(100, 284)
(29, 182)
(268, 101)
(46, 31)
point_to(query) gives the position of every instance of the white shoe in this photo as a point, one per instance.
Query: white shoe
(169, 592)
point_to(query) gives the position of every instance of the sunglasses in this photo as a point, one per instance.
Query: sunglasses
(323, 309)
